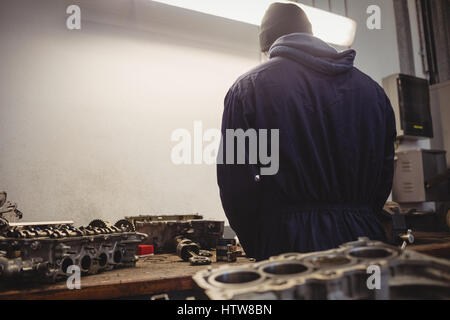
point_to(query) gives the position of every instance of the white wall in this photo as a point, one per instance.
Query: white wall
(86, 116)
(377, 50)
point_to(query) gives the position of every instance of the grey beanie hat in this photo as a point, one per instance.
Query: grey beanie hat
(281, 19)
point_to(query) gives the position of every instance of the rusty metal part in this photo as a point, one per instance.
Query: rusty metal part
(226, 250)
(8, 209)
(125, 225)
(341, 273)
(42, 224)
(190, 251)
(164, 217)
(45, 251)
(197, 260)
(394, 223)
(162, 230)
(187, 248)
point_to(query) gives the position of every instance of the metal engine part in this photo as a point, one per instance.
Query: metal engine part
(187, 248)
(190, 251)
(8, 210)
(394, 224)
(226, 250)
(341, 273)
(45, 251)
(163, 229)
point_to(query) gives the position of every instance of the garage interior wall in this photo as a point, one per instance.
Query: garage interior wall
(86, 116)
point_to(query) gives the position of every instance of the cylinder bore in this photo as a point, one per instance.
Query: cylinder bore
(284, 268)
(67, 262)
(371, 253)
(102, 259)
(237, 277)
(86, 262)
(117, 257)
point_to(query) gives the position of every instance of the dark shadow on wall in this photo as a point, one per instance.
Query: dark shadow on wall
(434, 21)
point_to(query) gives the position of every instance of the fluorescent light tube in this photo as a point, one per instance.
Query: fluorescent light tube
(330, 27)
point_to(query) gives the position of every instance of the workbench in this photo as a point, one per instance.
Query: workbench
(155, 275)
(152, 275)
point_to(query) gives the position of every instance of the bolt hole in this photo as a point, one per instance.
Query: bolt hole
(67, 262)
(86, 263)
(103, 259)
(117, 256)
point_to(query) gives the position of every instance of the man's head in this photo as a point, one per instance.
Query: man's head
(281, 19)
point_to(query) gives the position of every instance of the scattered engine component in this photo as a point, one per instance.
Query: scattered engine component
(401, 221)
(341, 273)
(46, 250)
(394, 224)
(8, 210)
(186, 248)
(190, 251)
(167, 217)
(226, 250)
(197, 260)
(163, 229)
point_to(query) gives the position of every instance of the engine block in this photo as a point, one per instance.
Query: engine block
(342, 273)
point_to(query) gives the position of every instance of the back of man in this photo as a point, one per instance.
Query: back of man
(336, 149)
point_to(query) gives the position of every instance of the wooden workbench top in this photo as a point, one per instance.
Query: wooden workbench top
(152, 275)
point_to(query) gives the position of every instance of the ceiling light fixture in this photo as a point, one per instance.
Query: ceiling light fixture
(330, 27)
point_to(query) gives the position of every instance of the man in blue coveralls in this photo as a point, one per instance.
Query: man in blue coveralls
(336, 144)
